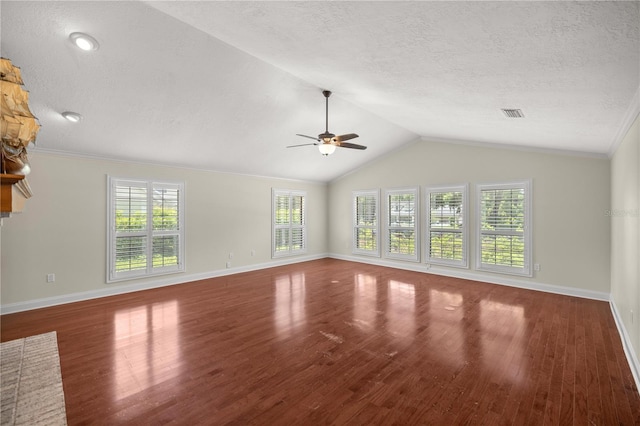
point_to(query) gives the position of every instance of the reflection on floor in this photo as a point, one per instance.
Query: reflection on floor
(335, 342)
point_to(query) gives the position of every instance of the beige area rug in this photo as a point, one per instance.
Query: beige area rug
(30, 382)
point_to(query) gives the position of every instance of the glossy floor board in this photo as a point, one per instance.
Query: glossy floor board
(335, 342)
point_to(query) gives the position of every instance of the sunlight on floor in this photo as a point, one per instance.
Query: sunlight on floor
(401, 309)
(504, 340)
(289, 312)
(365, 302)
(146, 347)
(446, 332)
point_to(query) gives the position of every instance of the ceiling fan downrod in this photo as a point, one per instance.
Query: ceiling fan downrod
(326, 94)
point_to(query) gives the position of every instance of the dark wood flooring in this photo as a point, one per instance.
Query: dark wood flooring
(335, 342)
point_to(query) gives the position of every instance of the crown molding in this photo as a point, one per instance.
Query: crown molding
(521, 148)
(37, 150)
(627, 121)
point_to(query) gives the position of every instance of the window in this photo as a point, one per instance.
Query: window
(446, 234)
(401, 226)
(146, 228)
(289, 228)
(365, 223)
(504, 228)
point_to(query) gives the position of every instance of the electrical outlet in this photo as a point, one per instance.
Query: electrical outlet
(536, 267)
(51, 278)
(228, 264)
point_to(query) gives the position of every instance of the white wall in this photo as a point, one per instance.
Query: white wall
(571, 233)
(625, 238)
(62, 229)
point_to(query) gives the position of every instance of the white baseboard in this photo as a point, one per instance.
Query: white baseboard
(112, 290)
(632, 358)
(417, 267)
(477, 276)
(167, 280)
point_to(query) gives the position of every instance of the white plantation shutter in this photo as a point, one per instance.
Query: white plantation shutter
(146, 228)
(282, 229)
(401, 239)
(504, 230)
(131, 228)
(289, 223)
(365, 223)
(297, 223)
(447, 225)
(166, 226)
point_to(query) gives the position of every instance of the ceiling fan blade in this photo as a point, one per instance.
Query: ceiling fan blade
(350, 145)
(315, 138)
(303, 144)
(345, 137)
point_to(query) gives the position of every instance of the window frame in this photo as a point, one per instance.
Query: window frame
(415, 257)
(113, 234)
(526, 270)
(356, 227)
(274, 226)
(464, 231)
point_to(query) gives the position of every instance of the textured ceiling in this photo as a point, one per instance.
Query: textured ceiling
(226, 85)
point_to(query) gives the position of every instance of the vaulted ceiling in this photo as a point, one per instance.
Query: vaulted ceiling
(227, 85)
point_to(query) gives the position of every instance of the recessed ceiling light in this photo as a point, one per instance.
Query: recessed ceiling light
(84, 41)
(73, 117)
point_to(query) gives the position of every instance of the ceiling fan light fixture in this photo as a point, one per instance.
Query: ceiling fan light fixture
(326, 148)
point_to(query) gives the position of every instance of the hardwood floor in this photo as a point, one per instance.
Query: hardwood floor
(335, 342)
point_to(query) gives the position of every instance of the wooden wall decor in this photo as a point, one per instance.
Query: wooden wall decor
(18, 128)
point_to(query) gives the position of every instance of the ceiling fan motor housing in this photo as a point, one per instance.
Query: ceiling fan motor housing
(326, 137)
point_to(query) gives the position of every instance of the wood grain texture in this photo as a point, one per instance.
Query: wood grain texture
(335, 342)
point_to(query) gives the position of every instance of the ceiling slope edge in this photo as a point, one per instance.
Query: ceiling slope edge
(295, 76)
(415, 136)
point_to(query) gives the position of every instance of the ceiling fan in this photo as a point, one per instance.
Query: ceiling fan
(327, 142)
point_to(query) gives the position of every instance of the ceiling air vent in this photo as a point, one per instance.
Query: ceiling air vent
(513, 113)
